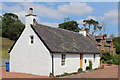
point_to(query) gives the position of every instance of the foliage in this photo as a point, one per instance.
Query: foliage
(110, 58)
(11, 26)
(117, 44)
(0, 25)
(93, 23)
(70, 25)
(116, 59)
(90, 64)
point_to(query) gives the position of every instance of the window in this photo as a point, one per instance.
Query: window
(31, 39)
(94, 57)
(85, 61)
(63, 56)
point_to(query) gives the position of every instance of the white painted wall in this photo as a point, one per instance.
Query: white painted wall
(29, 20)
(72, 63)
(95, 62)
(30, 58)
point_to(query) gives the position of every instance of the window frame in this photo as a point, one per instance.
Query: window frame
(94, 56)
(63, 59)
(31, 42)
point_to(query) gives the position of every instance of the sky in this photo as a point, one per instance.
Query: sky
(53, 13)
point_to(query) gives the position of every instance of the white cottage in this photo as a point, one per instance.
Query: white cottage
(42, 50)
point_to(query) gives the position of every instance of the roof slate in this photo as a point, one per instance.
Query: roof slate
(64, 41)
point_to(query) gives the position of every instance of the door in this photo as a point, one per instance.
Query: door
(81, 61)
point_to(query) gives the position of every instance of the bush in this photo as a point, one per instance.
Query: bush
(116, 59)
(90, 64)
(110, 58)
(51, 75)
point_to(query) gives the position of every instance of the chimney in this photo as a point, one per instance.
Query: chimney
(30, 18)
(87, 30)
(31, 11)
(83, 32)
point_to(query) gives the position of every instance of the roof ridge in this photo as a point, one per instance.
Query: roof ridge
(59, 29)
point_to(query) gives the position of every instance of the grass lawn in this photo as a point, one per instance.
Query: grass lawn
(5, 45)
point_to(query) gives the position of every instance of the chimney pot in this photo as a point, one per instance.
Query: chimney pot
(31, 11)
(83, 29)
(87, 30)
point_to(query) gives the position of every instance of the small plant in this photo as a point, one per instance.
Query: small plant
(51, 75)
(65, 74)
(90, 64)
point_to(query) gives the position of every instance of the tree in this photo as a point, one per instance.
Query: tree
(90, 23)
(11, 26)
(70, 25)
(100, 29)
(0, 25)
(116, 42)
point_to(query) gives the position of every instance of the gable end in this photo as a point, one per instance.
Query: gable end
(16, 40)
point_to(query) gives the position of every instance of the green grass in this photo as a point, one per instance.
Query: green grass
(6, 45)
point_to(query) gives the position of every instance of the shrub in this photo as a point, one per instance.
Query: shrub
(51, 75)
(90, 64)
(110, 58)
(65, 74)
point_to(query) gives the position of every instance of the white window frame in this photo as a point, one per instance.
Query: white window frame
(63, 58)
(31, 41)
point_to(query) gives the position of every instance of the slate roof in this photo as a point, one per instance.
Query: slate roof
(92, 37)
(63, 41)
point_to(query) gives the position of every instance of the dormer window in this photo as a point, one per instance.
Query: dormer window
(31, 39)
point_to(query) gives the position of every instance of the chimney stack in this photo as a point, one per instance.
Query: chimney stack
(87, 30)
(83, 32)
(30, 18)
(31, 11)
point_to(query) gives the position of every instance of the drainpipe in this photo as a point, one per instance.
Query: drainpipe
(52, 64)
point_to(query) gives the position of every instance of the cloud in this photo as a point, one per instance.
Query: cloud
(80, 22)
(50, 24)
(111, 16)
(60, 1)
(61, 11)
(75, 9)
(71, 9)
(91, 17)
(14, 8)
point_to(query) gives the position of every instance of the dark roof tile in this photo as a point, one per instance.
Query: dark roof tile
(60, 40)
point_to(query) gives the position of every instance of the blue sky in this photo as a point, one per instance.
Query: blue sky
(53, 13)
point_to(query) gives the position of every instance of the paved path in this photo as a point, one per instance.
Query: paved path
(18, 75)
(108, 72)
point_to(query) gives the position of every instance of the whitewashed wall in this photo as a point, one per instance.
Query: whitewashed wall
(95, 62)
(30, 58)
(72, 63)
